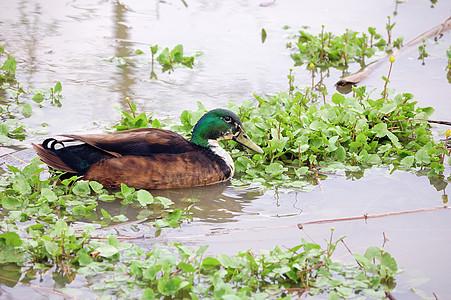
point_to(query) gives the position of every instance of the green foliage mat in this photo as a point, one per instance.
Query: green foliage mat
(302, 137)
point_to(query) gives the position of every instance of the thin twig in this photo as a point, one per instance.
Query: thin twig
(16, 158)
(375, 216)
(389, 295)
(320, 264)
(38, 287)
(349, 250)
(180, 269)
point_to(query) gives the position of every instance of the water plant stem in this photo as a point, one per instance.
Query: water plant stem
(392, 60)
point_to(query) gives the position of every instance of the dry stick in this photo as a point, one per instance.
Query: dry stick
(366, 72)
(38, 287)
(375, 216)
(389, 295)
(349, 250)
(432, 121)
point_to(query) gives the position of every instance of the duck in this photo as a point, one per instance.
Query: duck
(151, 158)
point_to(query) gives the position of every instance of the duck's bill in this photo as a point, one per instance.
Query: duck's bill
(244, 140)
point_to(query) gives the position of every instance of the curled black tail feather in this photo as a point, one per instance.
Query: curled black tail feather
(48, 157)
(53, 142)
(74, 159)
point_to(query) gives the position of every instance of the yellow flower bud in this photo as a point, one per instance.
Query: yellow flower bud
(448, 133)
(311, 66)
(391, 59)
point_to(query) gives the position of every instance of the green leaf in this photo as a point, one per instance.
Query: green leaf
(144, 198)
(407, 162)
(422, 157)
(380, 130)
(51, 247)
(96, 187)
(48, 194)
(105, 214)
(226, 261)
(338, 98)
(11, 203)
(58, 88)
(27, 111)
(275, 169)
(148, 294)
(388, 108)
(11, 238)
(389, 262)
(107, 250)
(81, 188)
(164, 201)
(38, 98)
(210, 261)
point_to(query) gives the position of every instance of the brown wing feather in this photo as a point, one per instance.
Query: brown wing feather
(162, 171)
(51, 160)
(141, 141)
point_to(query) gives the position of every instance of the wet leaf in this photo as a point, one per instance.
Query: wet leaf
(107, 250)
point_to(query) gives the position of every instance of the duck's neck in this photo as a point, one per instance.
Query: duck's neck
(219, 151)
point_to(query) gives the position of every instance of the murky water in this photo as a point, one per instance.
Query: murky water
(73, 41)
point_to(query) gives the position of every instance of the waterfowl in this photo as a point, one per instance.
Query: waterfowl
(151, 158)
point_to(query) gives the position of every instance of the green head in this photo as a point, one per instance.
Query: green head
(221, 124)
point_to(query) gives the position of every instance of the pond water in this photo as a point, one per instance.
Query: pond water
(75, 42)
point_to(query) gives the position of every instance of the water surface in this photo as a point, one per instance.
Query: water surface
(76, 42)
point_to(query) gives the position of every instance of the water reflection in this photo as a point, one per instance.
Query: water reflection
(124, 80)
(30, 23)
(217, 203)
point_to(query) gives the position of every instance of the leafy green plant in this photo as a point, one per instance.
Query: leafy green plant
(45, 210)
(53, 94)
(276, 274)
(8, 68)
(11, 130)
(389, 28)
(329, 51)
(170, 59)
(133, 120)
(422, 54)
(350, 133)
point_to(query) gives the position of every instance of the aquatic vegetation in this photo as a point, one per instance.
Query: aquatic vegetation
(133, 120)
(38, 216)
(327, 50)
(8, 69)
(16, 100)
(168, 59)
(422, 54)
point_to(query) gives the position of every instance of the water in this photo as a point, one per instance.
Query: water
(73, 42)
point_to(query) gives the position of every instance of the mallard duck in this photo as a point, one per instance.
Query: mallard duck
(151, 158)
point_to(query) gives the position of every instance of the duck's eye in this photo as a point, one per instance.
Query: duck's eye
(228, 119)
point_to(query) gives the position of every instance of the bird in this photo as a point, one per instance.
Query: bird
(151, 158)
